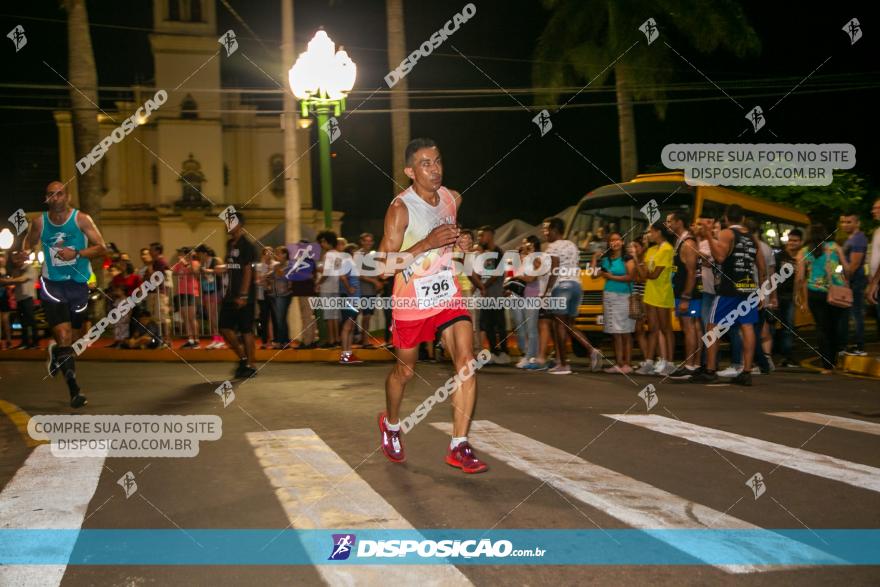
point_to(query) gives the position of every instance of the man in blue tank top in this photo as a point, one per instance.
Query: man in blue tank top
(69, 238)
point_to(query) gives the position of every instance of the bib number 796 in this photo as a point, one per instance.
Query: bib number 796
(434, 289)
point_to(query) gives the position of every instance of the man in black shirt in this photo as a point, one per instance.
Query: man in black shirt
(785, 297)
(687, 286)
(239, 294)
(736, 254)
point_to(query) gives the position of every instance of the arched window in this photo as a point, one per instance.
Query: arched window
(191, 180)
(189, 108)
(276, 173)
(185, 10)
(195, 10)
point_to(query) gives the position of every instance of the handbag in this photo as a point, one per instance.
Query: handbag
(636, 306)
(636, 302)
(515, 286)
(840, 296)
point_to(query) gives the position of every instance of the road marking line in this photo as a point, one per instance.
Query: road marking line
(633, 502)
(319, 490)
(854, 474)
(47, 492)
(20, 419)
(833, 421)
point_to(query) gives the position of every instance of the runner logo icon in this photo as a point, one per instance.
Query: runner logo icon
(342, 546)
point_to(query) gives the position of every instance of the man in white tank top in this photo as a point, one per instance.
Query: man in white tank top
(421, 222)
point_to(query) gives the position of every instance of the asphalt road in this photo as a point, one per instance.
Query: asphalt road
(695, 450)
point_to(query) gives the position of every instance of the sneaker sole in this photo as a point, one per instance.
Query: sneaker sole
(49, 361)
(458, 466)
(382, 446)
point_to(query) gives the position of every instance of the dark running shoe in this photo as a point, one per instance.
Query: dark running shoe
(705, 377)
(743, 378)
(78, 401)
(683, 373)
(245, 372)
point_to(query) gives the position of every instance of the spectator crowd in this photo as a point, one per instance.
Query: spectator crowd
(707, 276)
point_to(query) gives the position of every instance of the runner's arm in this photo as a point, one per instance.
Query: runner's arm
(32, 238)
(87, 225)
(396, 221)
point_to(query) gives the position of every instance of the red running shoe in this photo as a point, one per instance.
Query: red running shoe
(463, 457)
(392, 443)
(349, 359)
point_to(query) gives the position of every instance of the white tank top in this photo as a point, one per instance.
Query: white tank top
(423, 218)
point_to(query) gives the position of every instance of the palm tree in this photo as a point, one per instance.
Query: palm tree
(399, 98)
(84, 102)
(583, 37)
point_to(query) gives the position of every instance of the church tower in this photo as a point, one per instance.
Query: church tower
(189, 128)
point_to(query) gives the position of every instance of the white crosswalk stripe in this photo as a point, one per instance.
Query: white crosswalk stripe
(319, 490)
(833, 421)
(633, 502)
(47, 492)
(829, 467)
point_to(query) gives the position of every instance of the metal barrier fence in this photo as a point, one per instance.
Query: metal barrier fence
(193, 307)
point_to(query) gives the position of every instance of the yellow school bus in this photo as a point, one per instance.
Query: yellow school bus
(617, 208)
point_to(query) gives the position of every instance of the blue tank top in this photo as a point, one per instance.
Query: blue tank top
(56, 237)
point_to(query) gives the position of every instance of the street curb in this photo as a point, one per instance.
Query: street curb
(202, 355)
(867, 367)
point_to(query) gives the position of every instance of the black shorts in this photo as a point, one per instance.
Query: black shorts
(64, 301)
(350, 311)
(240, 320)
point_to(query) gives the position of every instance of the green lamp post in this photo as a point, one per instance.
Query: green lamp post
(320, 79)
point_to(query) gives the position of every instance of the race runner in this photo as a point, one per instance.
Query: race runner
(421, 222)
(65, 234)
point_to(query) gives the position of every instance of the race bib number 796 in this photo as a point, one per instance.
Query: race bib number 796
(435, 289)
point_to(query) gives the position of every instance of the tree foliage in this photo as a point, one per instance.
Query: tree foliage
(848, 192)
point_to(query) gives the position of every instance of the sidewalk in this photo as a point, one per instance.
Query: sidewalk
(99, 352)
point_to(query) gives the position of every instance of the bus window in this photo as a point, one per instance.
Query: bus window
(597, 217)
(773, 230)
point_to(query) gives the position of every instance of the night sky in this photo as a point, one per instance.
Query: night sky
(538, 177)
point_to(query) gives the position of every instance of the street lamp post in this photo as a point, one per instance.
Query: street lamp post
(321, 78)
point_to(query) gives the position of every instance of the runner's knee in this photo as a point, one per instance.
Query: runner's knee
(403, 373)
